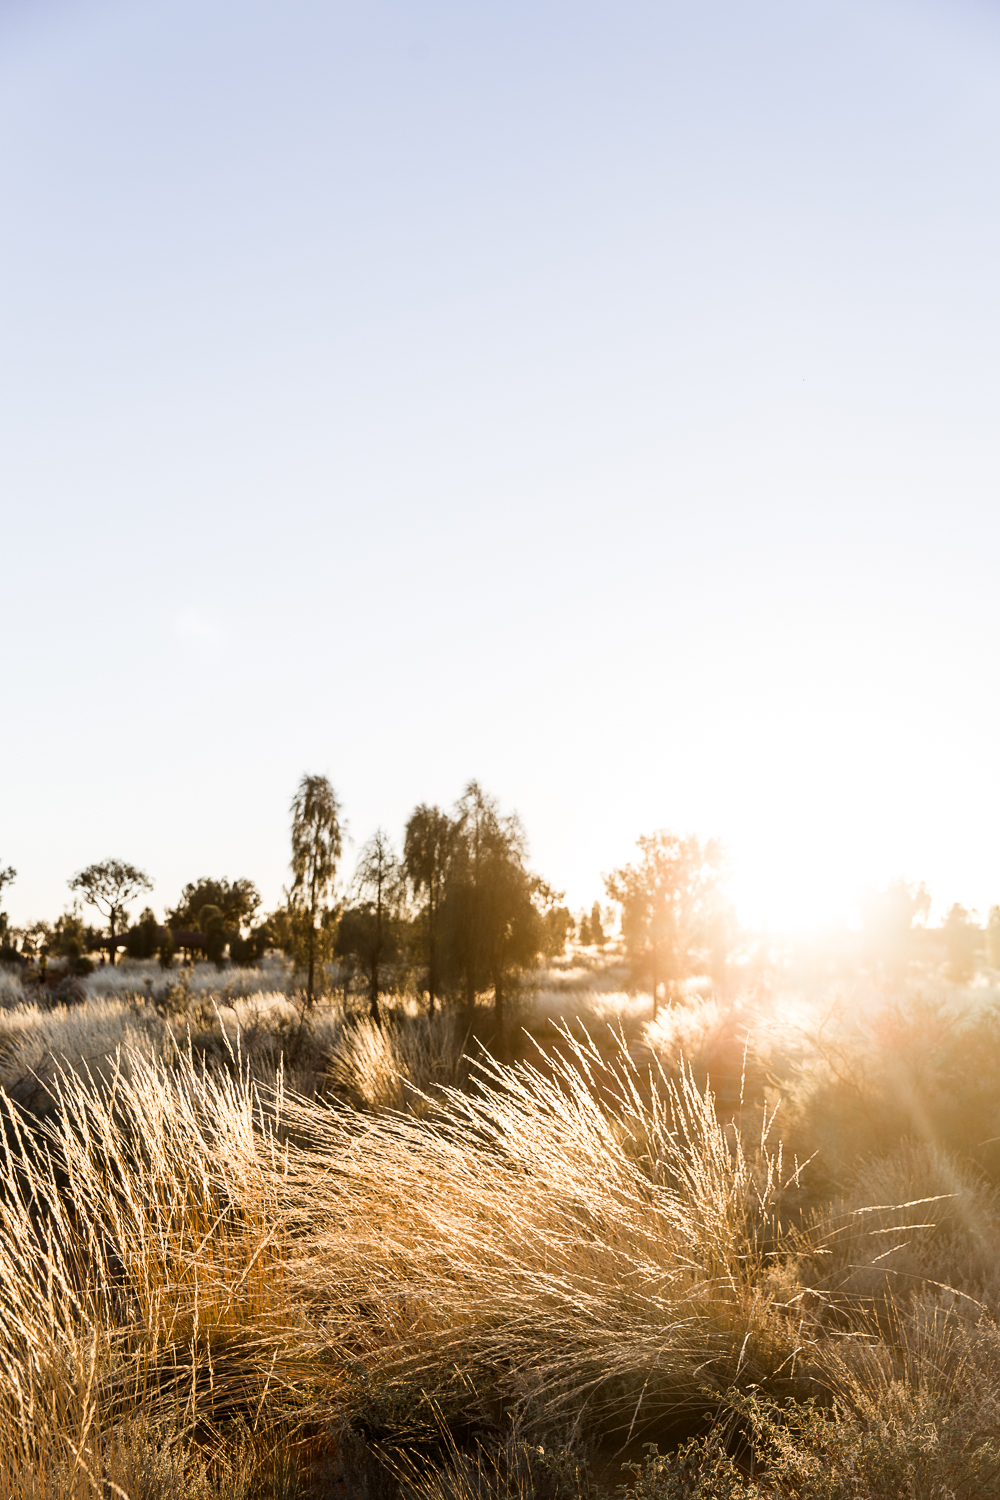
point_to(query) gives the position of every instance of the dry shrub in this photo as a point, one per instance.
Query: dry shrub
(926, 1069)
(915, 1216)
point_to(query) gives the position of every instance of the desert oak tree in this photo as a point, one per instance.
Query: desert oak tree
(110, 886)
(427, 851)
(316, 845)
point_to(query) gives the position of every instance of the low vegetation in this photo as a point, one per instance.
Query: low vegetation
(430, 1190)
(249, 1248)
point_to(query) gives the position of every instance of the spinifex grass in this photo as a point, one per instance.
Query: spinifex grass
(579, 1245)
(141, 1264)
(581, 1254)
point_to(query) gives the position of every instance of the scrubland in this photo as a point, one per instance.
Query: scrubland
(746, 1250)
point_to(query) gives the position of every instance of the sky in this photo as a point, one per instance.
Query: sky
(595, 399)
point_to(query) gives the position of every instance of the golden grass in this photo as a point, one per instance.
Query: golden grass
(196, 1270)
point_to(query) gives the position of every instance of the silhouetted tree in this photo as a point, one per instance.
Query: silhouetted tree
(316, 847)
(667, 900)
(379, 881)
(427, 851)
(558, 926)
(213, 925)
(141, 940)
(493, 910)
(69, 938)
(236, 902)
(7, 950)
(596, 925)
(110, 886)
(165, 952)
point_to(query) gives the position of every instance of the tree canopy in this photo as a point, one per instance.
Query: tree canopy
(380, 883)
(110, 885)
(236, 901)
(493, 919)
(427, 853)
(317, 840)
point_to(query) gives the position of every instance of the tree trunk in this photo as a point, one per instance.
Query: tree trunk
(376, 1014)
(114, 946)
(312, 945)
(431, 956)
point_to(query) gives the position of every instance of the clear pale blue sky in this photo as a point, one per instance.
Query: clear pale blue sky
(598, 399)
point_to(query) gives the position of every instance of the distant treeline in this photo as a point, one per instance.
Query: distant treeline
(456, 913)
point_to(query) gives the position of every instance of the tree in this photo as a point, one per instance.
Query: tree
(165, 952)
(427, 851)
(667, 903)
(212, 923)
(558, 922)
(379, 881)
(236, 902)
(110, 886)
(596, 925)
(316, 848)
(142, 940)
(69, 936)
(494, 907)
(7, 877)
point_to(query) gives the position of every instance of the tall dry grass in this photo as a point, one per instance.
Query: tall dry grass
(207, 1283)
(569, 1243)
